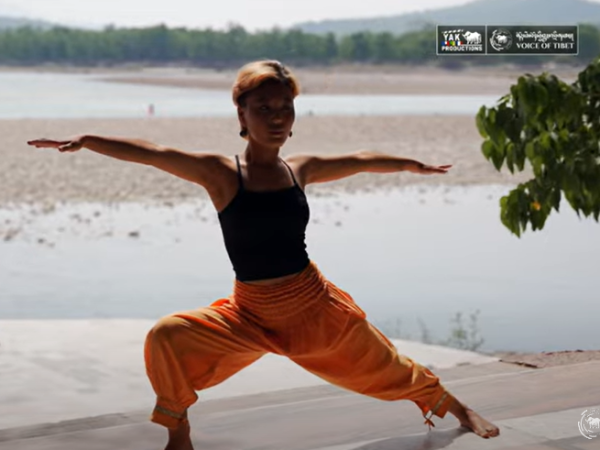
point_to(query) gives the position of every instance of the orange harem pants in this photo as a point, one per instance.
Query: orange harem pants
(307, 319)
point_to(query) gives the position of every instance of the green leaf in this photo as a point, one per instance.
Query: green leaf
(530, 150)
(497, 158)
(503, 117)
(507, 215)
(513, 127)
(519, 154)
(541, 97)
(555, 199)
(487, 148)
(510, 157)
(480, 121)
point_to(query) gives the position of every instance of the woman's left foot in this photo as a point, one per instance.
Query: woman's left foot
(473, 421)
(479, 425)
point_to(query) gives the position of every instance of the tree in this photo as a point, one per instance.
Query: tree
(554, 126)
(356, 47)
(589, 43)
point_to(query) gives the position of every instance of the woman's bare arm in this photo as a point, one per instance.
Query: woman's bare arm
(321, 169)
(200, 168)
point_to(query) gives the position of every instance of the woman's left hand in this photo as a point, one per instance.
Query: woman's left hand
(430, 170)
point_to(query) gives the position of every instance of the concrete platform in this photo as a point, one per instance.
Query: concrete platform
(57, 370)
(537, 409)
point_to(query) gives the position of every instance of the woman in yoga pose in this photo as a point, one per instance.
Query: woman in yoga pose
(281, 303)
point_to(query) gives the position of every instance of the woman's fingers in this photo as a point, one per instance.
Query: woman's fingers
(435, 169)
(442, 169)
(63, 146)
(46, 143)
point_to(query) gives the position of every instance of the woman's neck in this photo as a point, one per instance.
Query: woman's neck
(261, 156)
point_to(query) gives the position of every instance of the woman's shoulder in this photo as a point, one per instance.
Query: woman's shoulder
(299, 159)
(213, 167)
(216, 158)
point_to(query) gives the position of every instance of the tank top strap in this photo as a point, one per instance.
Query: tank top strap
(239, 172)
(291, 172)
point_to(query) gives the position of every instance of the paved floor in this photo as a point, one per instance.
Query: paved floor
(80, 368)
(537, 409)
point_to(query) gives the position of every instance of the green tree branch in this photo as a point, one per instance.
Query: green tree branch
(554, 126)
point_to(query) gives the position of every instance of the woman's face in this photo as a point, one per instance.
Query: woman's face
(268, 114)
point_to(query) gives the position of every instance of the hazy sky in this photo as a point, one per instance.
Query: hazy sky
(252, 14)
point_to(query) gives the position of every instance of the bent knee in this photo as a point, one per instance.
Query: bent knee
(166, 329)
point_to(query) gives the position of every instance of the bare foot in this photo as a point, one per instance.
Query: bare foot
(473, 421)
(179, 438)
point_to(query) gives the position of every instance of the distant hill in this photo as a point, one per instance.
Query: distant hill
(479, 12)
(16, 22)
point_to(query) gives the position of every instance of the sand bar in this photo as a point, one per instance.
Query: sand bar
(357, 79)
(361, 80)
(46, 176)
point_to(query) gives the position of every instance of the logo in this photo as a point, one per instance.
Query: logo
(461, 39)
(497, 39)
(589, 424)
(501, 39)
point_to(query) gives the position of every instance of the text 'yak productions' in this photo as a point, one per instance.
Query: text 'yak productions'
(462, 41)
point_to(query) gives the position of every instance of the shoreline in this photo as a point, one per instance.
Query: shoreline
(544, 360)
(329, 80)
(51, 224)
(357, 80)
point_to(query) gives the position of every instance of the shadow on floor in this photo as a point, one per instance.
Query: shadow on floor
(434, 440)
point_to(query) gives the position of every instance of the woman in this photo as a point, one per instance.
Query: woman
(281, 303)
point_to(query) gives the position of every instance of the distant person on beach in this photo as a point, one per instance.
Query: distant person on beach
(281, 302)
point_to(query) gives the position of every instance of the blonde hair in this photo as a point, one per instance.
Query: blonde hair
(255, 73)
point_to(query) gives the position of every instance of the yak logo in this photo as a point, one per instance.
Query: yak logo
(455, 40)
(589, 424)
(472, 38)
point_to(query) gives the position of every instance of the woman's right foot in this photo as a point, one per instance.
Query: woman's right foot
(179, 438)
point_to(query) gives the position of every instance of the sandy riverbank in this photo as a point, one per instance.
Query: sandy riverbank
(340, 79)
(549, 359)
(46, 176)
(361, 80)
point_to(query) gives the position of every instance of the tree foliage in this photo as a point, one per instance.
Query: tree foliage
(230, 47)
(555, 127)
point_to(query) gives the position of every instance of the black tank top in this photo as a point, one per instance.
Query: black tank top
(264, 232)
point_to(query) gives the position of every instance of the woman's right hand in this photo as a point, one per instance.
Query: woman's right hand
(62, 146)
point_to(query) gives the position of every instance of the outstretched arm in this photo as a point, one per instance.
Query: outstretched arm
(196, 167)
(320, 169)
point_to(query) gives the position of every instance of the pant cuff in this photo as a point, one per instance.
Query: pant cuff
(167, 418)
(439, 406)
(442, 405)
